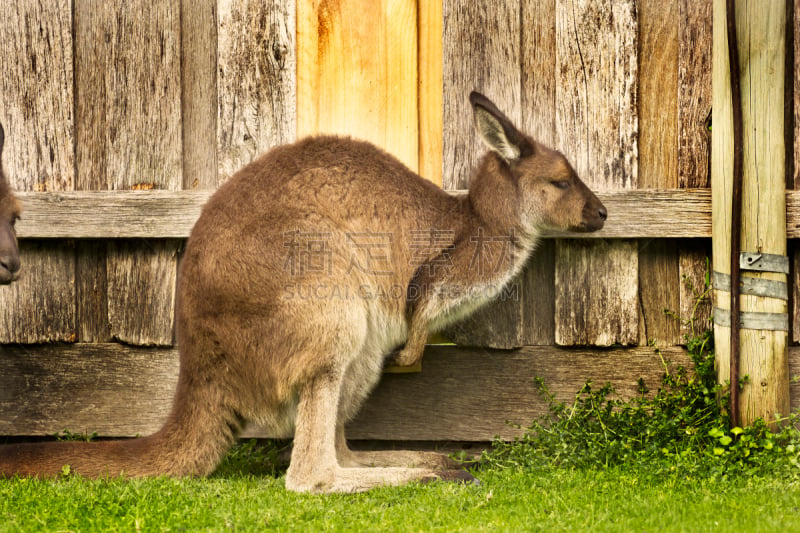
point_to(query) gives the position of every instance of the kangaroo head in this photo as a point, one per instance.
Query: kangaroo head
(548, 192)
(9, 213)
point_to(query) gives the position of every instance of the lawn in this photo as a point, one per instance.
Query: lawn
(666, 460)
(508, 499)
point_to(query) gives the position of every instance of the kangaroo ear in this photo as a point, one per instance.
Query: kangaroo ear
(497, 131)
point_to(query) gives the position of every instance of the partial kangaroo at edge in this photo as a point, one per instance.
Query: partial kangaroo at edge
(307, 271)
(10, 210)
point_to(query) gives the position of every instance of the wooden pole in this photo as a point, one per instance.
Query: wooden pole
(763, 363)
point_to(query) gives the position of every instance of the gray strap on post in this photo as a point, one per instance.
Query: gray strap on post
(757, 287)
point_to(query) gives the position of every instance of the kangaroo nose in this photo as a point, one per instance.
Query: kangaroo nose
(602, 212)
(10, 263)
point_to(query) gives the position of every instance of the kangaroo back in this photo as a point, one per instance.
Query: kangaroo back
(9, 213)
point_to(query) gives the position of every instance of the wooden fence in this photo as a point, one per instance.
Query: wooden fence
(122, 117)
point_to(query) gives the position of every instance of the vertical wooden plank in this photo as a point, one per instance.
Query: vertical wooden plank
(538, 119)
(199, 93)
(46, 312)
(539, 298)
(694, 150)
(597, 127)
(481, 51)
(659, 278)
(256, 79)
(429, 59)
(128, 130)
(36, 84)
(357, 72)
(142, 272)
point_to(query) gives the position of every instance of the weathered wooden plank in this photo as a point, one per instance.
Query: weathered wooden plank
(460, 394)
(694, 93)
(128, 90)
(696, 306)
(658, 161)
(481, 51)
(694, 146)
(596, 311)
(539, 297)
(256, 79)
(40, 307)
(538, 119)
(129, 129)
(36, 84)
(357, 72)
(638, 213)
(481, 44)
(431, 85)
(659, 292)
(92, 288)
(106, 214)
(597, 128)
(199, 93)
(109, 388)
(140, 274)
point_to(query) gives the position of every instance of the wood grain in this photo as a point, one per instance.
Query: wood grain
(591, 310)
(538, 119)
(36, 95)
(638, 213)
(460, 394)
(659, 276)
(140, 274)
(597, 128)
(36, 83)
(431, 85)
(357, 72)
(199, 93)
(761, 34)
(129, 134)
(481, 52)
(256, 80)
(40, 306)
(694, 146)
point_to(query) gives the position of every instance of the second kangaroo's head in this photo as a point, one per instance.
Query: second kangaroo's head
(9, 213)
(548, 191)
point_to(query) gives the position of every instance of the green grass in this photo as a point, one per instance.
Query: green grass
(549, 499)
(666, 460)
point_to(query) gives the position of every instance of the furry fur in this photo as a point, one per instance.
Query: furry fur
(310, 268)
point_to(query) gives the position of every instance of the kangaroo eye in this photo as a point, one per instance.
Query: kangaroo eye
(561, 184)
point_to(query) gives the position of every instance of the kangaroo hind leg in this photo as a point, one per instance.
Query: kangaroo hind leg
(314, 466)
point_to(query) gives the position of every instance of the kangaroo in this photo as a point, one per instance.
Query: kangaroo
(306, 272)
(10, 210)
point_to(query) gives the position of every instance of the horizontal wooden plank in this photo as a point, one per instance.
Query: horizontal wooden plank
(462, 394)
(643, 213)
(110, 214)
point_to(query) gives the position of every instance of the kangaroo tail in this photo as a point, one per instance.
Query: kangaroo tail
(193, 441)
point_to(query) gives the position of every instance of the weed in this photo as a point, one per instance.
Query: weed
(681, 430)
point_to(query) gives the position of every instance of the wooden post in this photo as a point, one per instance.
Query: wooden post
(763, 360)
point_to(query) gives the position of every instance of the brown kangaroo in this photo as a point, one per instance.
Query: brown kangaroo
(307, 271)
(10, 210)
